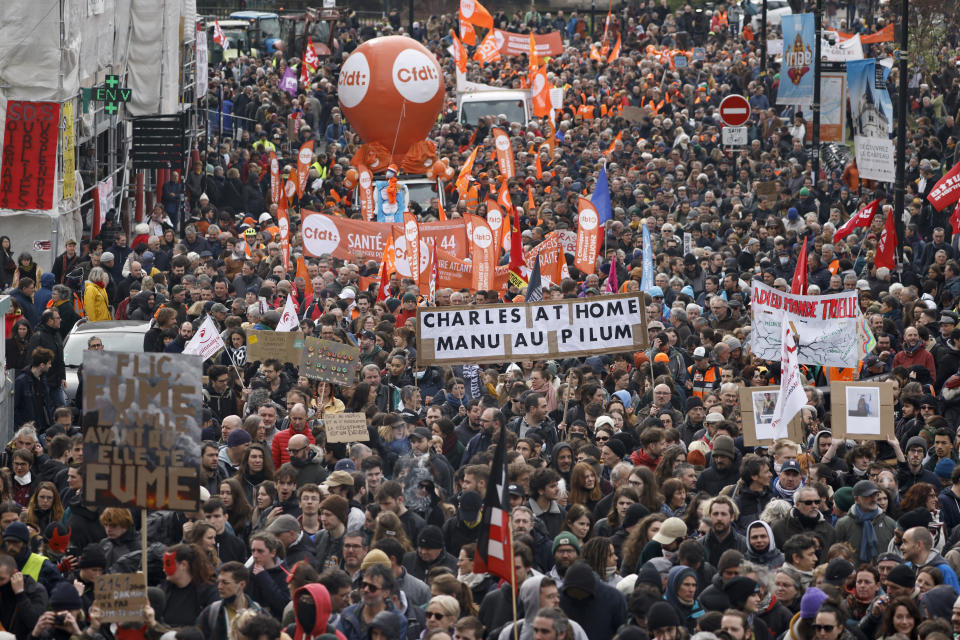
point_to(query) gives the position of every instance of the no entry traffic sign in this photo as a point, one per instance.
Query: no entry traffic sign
(734, 110)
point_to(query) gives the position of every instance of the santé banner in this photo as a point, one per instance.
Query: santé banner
(827, 325)
(518, 44)
(536, 331)
(343, 238)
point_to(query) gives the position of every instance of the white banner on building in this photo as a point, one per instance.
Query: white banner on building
(203, 63)
(827, 325)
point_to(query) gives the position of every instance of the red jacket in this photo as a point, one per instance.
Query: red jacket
(279, 446)
(921, 356)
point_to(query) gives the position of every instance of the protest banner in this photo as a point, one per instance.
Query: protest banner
(862, 410)
(568, 240)
(447, 235)
(483, 251)
(121, 597)
(756, 411)
(767, 189)
(68, 148)
(328, 361)
(142, 424)
(346, 427)
(343, 238)
(540, 330)
(549, 253)
(453, 272)
(827, 325)
(285, 346)
(796, 77)
(518, 44)
(833, 109)
(588, 237)
(947, 189)
(871, 114)
(206, 341)
(29, 168)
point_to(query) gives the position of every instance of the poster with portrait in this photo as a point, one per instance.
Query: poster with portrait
(756, 411)
(862, 410)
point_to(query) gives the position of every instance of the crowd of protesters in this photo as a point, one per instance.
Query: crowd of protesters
(637, 512)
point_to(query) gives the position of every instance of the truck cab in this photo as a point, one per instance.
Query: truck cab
(264, 31)
(512, 103)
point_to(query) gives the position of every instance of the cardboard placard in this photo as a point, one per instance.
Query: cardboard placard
(346, 427)
(756, 413)
(285, 346)
(862, 410)
(536, 330)
(329, 361)
(634, 114)
(121, 597)
(142, 427)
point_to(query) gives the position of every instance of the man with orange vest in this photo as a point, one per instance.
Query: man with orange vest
(471, 198)
(587, 111)
(703, 376)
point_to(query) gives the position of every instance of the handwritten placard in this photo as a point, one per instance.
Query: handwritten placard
(121, 597)
(29, 169)
(346, 427)
(285, 346)
(329, 361)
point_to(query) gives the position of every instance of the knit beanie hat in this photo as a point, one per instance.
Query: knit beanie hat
(661, 615)
(843, 499)
(811, 602)
(903, 576)
(338, 506)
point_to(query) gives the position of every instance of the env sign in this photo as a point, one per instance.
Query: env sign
(112, 94)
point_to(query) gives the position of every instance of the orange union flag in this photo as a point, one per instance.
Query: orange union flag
(483, 251)
(588, 237)
(504, 152)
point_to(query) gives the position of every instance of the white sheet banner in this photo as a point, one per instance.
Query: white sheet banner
(827, 325)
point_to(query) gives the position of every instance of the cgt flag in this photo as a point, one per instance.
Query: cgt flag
(861, 218)
(887, 246)
(494, 546)
(205, 342)
(947, 189)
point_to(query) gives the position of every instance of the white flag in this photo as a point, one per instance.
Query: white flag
(792, 397)
(206, 341)
(288, 320)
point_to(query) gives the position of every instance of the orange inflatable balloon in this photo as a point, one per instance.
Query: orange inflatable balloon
(350, 178)
(391, 90)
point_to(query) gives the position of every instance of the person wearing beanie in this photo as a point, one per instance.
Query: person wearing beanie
(328, 542)
(801, 624)
(65, 614)
(681, 594)
(866, 527)
(587, 599)
(566, 551)
(693, 422)
(428, 554)
(943, 470)
(900, 582)
(910, 469)
(805, 517)
(917, 548)
(662, 616)
(724, 467)
(16, 543)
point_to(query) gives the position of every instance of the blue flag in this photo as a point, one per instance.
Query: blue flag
(534, 285)
(601, 196)
(646, 280)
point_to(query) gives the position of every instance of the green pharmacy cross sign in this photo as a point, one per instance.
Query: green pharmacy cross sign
(112, 94)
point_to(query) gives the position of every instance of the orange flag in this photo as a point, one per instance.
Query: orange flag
(459, 53)
(283, 221)
(534, 59)
(613, 145)
(274, 178)
(467, 34)
(465, 170)
(304, 158)
(484, 252)
(588, 237)
(388, 265)
(539, 167)
(616, 51)
(303, 273)
(440, 211)
(503, 198)
(530, 205)
(497, 221)
(488, 51)
(504, 152)
(476, 14)
(541, 93)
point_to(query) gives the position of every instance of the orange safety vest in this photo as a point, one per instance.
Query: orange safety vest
(722, 19)
(704, 381)
(585, 111)
(471, 198)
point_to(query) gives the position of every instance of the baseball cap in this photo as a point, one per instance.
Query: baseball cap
(421, 432)
(699, 352)
(339, 479)
(790, 465)
(670, 530)
(865, 488)
(470, 503)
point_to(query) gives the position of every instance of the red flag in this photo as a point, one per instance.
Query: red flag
(218, 36)
(310, 58)
(494, 546)
(861, 218)
(516, 244)
(955, 220)
(887, 247)
(799, 284)
(612, 285)
(947, 189)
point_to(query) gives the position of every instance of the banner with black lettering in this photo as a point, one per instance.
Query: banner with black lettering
(533, 331)
(141, 430)
(827, 325)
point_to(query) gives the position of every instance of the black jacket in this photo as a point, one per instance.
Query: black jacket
(51, 339)
(269, 589)
(19, 613)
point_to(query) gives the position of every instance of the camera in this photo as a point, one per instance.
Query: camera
(59, 619)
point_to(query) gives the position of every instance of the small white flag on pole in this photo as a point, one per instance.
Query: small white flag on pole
(792, 397)
(206, 341)
(288, 319)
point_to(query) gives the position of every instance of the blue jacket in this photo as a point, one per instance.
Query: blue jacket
(44, 292)
(31, 396)
(949, 575)
(27, 307)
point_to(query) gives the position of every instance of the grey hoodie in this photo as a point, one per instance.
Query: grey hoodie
(529, 598)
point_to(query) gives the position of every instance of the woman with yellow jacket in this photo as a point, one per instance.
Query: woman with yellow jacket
(95, 300)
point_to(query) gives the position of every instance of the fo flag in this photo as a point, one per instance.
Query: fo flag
(206, 341)
(792, 397)
(947, 189)
(288, 319)
(494, 547)
(862, 218)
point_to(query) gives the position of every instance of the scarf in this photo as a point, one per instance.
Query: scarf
(472, 579)
(868, 541)
(23, 480)
(914, 349)
(786, 494)
(807, 522)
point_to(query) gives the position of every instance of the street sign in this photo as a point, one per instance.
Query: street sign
(734, 110)
(734, 136)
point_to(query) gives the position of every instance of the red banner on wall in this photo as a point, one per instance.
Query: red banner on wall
(29, 169)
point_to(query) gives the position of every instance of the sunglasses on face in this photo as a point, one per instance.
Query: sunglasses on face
(369, 586)
(823, 627)
(435, 615)
(809, 502)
